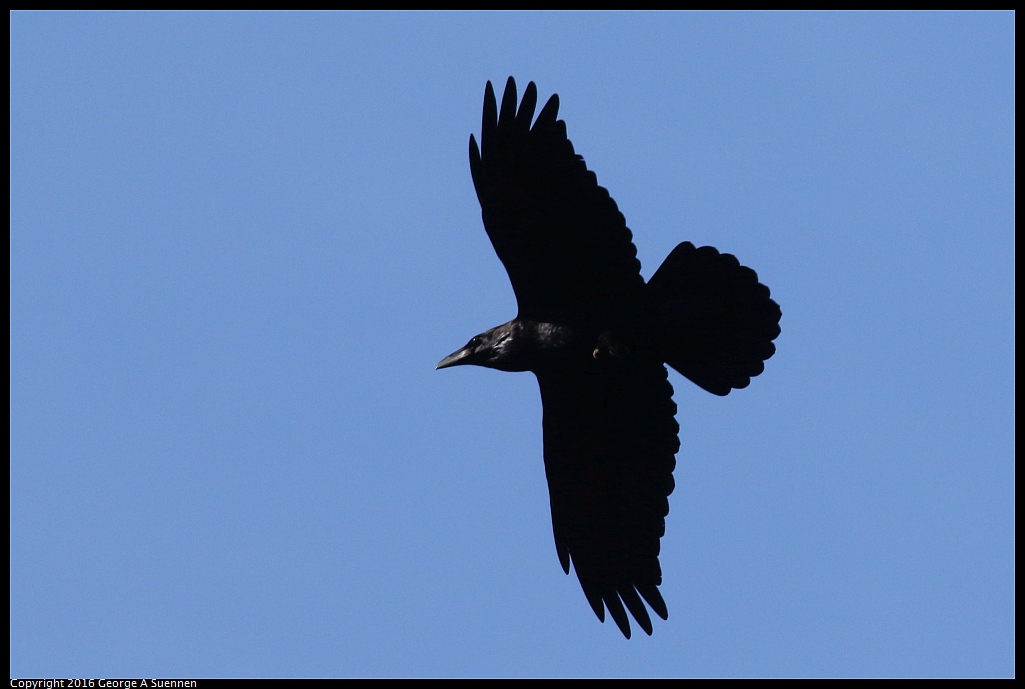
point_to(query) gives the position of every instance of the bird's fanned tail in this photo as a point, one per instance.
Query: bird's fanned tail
(717, 322)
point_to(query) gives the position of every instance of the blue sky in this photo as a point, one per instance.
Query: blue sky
(241, 242)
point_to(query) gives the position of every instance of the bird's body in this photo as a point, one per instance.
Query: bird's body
(598, 337)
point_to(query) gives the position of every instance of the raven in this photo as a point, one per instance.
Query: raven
(597, 337)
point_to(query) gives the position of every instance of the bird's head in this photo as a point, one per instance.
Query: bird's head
(502, 348)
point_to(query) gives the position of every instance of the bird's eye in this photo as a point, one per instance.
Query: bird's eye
(475, 342)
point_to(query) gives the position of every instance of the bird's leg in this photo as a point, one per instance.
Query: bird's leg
(606, 346)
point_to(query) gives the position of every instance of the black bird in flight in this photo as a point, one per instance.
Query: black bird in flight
(598, 337)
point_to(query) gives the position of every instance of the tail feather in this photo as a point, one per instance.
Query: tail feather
(718, 321)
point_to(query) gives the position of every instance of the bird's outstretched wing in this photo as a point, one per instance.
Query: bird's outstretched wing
(610, 437)
(560, 236)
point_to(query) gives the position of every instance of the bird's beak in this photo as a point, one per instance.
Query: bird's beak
(455, 359)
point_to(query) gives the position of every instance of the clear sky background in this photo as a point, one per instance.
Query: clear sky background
(241, 242)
